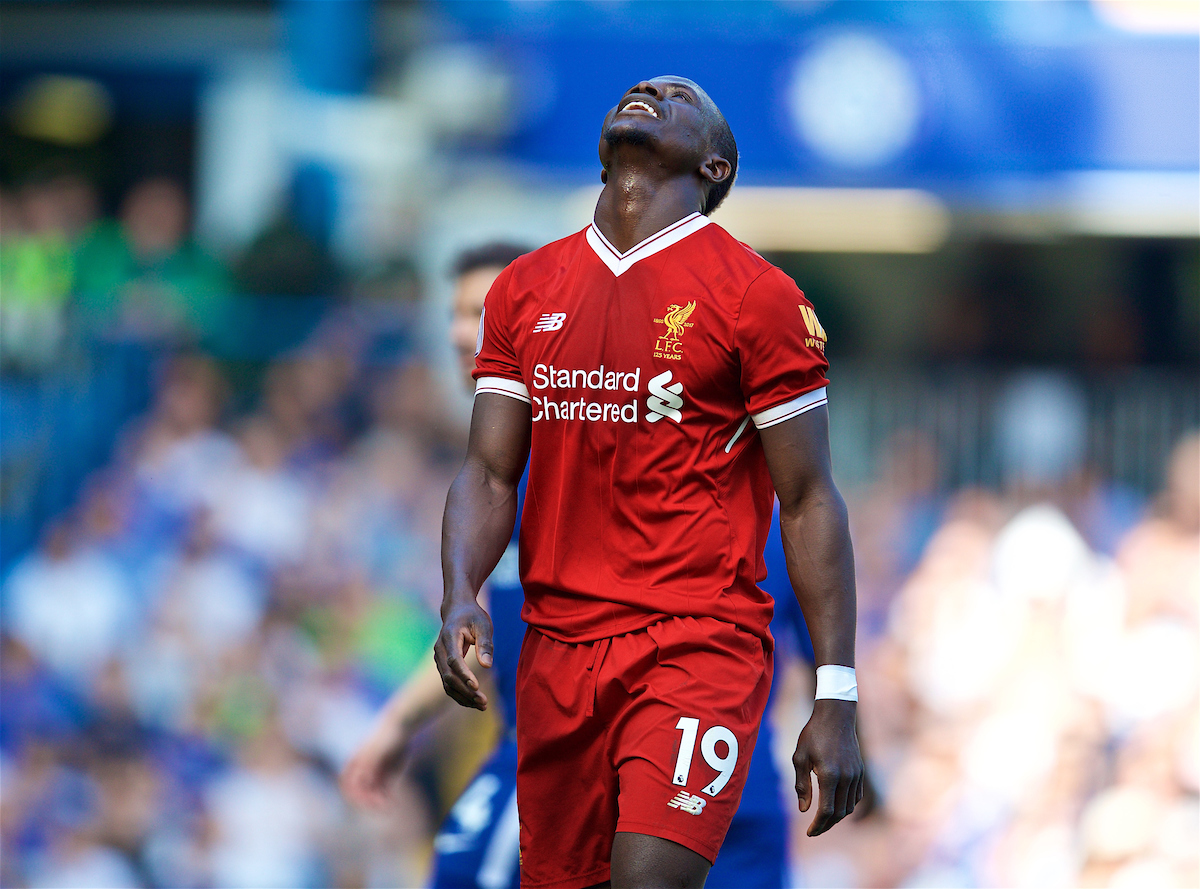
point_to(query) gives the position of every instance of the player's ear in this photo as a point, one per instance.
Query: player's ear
(604, 176)
(715, 168)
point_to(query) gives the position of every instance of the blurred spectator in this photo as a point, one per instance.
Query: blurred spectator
(40, 227)
(63, 202)
(1042, 435)
(1158, 558)
(39, 708)
(209, 597)
(177, 451)
(284, 261)
(891, 523)
(259, 508)
(144, 277)
(1114, 332)
(272, 818)
(307, 399)
(69, 604)
(1041, 422)
(959, 329)
(290, 257)
(1142, 830)
(75, 861)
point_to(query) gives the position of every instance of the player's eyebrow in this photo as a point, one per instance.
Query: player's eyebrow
(677, 84)
(699, 97)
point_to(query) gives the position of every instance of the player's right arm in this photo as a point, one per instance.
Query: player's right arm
(481, 511)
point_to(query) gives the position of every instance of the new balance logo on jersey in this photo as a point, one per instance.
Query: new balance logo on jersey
(664, 400)
(688, 802)
(550, 321)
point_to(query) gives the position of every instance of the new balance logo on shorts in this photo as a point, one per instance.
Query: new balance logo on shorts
(550, 321)
(690, 803)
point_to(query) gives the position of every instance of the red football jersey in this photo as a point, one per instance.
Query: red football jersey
(648, 373)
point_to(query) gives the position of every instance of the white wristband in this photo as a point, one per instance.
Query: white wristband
(836, 682)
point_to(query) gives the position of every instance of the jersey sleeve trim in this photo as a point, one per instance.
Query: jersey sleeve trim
(772, 416)
(502, 386)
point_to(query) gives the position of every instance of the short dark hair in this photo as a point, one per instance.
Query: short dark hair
(721, 141)
(495, 254)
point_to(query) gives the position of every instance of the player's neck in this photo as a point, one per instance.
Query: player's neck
(633, 206)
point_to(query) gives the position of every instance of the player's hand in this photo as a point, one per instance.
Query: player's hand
(829, 746)
(463, 625)
(368, 776)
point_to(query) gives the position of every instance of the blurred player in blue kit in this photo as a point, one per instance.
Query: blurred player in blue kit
(478, 844)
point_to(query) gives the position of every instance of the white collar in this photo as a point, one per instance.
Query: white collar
(619, 263)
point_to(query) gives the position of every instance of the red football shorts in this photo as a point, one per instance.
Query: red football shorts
(650, 732)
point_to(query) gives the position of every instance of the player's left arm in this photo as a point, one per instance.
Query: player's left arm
(820, 564)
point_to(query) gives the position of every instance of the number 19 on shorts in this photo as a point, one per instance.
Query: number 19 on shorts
(725, 765)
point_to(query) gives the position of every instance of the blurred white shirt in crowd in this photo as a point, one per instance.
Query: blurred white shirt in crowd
(270, 822)
(72, 611)
(263, 512)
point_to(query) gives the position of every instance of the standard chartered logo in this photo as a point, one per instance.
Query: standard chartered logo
(664, 400)
(601, 399)
(599, 395)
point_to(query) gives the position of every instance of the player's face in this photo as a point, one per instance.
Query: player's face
(469, 293)
(667, 114)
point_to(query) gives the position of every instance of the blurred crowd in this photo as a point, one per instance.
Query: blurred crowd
(138, 274)
(1029, 683)
(193, 649)
(73, 274)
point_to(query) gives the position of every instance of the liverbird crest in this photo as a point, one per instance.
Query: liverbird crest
(676, 316)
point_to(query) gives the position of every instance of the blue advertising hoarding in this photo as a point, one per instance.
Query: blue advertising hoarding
(859, 93)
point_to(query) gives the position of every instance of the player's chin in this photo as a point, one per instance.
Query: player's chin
(627, 131)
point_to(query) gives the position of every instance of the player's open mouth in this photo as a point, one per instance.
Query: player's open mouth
(638, 105)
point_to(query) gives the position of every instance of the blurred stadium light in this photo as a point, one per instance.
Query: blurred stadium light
(836, 220)
(833, 220)
(1150, 16)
